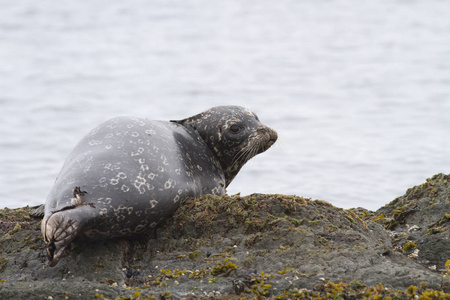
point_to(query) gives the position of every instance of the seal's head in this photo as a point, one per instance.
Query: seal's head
(234, 134)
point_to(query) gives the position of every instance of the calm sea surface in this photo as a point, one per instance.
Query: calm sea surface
(359, 91)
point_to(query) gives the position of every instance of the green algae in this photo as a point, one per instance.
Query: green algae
(16, 215)
(431, 193)
(223, 268)
(194, 255)
(255, 213)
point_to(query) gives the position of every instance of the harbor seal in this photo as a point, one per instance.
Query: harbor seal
(129, 174)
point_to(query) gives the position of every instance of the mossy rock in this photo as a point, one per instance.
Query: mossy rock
(422, 217)
(273, 246)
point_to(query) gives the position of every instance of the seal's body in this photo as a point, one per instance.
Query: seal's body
(129, 174)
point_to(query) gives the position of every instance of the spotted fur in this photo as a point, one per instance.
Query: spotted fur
(129, 174)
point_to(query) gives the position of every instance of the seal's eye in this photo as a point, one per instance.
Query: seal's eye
(235, 129)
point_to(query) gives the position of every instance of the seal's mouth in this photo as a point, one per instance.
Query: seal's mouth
(270, 143)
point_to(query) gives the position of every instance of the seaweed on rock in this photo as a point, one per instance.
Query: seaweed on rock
(273, 246)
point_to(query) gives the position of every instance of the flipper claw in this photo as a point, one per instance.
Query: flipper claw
(59, 231)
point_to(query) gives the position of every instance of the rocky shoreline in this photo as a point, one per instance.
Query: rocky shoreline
(259, 246)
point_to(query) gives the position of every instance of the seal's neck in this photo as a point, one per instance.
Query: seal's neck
(230, 174)
(213, 143)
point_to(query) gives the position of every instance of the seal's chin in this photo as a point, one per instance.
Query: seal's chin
(265, 146)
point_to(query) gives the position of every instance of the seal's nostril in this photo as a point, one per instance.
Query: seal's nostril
(273, 136)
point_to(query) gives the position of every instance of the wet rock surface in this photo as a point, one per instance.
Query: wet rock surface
(273, 246)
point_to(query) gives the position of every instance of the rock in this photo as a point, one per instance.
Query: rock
(232, 246)
(420, 221)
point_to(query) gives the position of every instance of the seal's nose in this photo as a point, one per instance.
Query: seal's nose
(271, 136)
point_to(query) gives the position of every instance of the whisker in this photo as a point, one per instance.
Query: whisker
(247, 152)
(252, 151)
(242, 153)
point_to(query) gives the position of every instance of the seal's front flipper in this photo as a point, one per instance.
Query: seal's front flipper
(59, 231)
(38, 211)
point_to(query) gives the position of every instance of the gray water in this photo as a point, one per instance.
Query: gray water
(359, 91)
